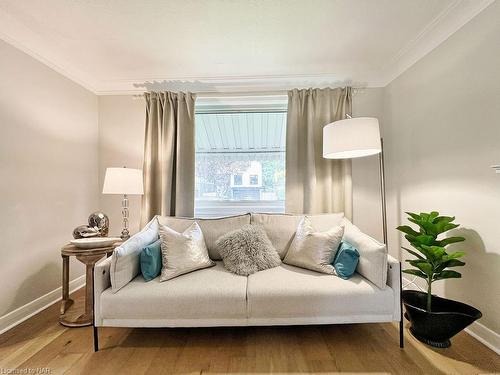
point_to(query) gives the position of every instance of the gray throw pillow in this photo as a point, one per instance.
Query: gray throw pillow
(247, 250)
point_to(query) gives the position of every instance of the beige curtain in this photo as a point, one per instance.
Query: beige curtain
(314, 184)
(169, 155)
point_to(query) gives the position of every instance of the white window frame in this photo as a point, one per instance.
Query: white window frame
(240, 104)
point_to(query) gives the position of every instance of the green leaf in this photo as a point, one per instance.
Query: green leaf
(425, 267)
(416, 273)
(447, 275)
(408, 230)
(449, 263)
(414, 253)
(425, 239)
(433, 215)
(415, 262)
(455, 255)
(450, 240)
(436, 253)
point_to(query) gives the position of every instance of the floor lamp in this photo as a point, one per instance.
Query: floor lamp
(354, 138)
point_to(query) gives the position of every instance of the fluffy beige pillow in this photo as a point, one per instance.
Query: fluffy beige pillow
(247, 250)
(182, 252)
(314, 250)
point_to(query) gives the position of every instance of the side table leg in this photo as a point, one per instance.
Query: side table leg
(89, 291)
(66, 301)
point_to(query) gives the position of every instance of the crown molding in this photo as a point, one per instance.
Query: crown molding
(440, 28)
(231, 85)
(445, 24)
(65, 70)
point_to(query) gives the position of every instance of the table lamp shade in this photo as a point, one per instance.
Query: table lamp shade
(123, 181)
(351, 138)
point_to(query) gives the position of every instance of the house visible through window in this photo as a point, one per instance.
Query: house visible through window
(240, 162)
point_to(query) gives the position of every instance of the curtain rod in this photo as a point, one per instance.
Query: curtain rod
(228, 94)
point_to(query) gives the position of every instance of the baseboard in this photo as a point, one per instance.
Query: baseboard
(485, 335)
(19, 315)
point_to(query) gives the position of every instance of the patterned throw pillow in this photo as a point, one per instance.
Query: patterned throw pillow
(247, 250)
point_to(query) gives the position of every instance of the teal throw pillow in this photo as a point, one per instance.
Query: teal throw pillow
(346, 260)
(151, 260)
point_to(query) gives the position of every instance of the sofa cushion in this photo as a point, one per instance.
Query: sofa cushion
(280, 228)
(290, 292)
(212, 228)
(247, 250)
(182, 252)
(125, 261)
(346, 260)
(210, 293)
(151, 261)
(314, 250)
(372, 263)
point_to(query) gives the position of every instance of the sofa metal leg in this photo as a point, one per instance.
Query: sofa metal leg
(94, 328)
(401, 335)
(401, 325)
(96, 339)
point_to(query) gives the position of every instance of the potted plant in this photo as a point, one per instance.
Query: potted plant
(434, 320)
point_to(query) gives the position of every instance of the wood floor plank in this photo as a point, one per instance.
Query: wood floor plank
(41, 342)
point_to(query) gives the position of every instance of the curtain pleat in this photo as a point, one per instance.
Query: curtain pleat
(169, 155)
(314, 184)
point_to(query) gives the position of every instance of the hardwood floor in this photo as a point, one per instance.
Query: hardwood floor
(42, 343)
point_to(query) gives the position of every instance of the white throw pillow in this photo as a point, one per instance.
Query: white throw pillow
(280, 228)
(372, 255)
(212, 228)
(125, 261)
(314, 250)
(183, 252)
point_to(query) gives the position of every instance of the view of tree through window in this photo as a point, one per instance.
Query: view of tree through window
(240, 163)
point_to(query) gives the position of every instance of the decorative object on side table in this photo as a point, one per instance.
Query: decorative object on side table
(81, 315)
(434, 320)
(98, 226)
(94, 242)
(124, 181)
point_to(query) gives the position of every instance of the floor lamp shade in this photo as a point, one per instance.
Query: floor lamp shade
(351, 138)
(123, 181)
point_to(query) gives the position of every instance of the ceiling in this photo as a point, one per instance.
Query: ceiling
(123, 46)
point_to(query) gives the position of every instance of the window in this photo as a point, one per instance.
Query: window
(240, 161)
(238, 179)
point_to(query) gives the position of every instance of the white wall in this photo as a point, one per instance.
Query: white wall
(367, 206)
(48, 174)
(442, 129)
(121, 143)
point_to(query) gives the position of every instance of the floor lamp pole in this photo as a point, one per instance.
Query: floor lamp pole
(384, 225)
(382, 190)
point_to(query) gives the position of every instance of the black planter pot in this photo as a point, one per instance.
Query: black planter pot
(437, 327)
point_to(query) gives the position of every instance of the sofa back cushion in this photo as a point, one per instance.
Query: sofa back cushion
(372, 263)
(281, 228)
(212, 228)
(125, 261)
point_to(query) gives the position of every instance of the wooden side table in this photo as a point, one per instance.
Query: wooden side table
(80, 317)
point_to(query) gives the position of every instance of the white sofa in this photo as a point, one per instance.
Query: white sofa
(285, 295)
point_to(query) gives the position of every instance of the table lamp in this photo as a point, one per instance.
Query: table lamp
(124, 181)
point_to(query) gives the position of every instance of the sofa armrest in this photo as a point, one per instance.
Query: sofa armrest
(102, 281)
(394, 281)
